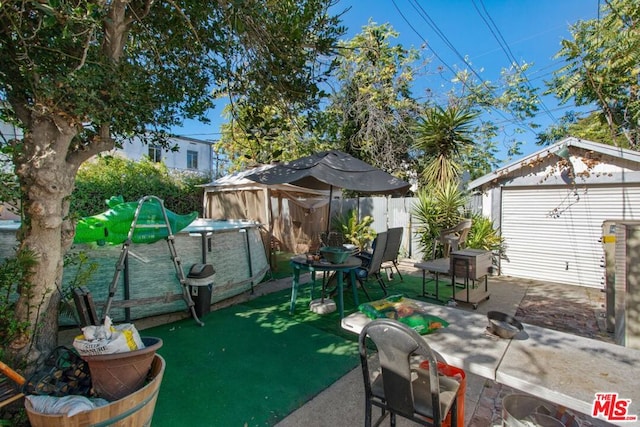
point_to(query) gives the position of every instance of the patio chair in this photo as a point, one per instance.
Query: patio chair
(371, 265)
(399, 386)
(391, 250)
(452, 239)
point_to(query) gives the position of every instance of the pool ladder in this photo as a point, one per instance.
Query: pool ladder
(177, 263)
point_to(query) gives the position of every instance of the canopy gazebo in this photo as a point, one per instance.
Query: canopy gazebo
(292, 216)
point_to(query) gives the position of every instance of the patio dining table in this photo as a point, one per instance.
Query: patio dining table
(566, 369)
(349, 266)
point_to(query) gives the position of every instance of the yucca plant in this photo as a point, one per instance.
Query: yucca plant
(438, 208)
(358, 232)
(442, 134)
(483, 235)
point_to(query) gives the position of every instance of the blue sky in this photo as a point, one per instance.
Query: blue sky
(532, 30)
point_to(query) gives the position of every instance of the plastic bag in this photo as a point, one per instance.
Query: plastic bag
(124, 337)
(405, 311)
(67, 405)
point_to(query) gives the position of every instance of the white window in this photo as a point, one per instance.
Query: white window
(192, 159)
(155, 153)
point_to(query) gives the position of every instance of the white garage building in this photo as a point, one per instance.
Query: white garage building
(550, 207)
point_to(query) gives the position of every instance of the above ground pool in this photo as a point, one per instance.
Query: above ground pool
(150, 285)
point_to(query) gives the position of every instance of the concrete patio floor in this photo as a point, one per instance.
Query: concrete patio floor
(573, 309)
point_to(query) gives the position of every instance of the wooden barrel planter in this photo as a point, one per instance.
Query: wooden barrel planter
(135, 409)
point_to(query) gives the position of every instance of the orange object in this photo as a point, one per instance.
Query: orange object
(11, 374)
(458, 375)
(10, 395)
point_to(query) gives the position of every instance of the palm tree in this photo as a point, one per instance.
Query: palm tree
(442, 134)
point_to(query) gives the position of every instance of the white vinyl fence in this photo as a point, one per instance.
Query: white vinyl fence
(387, 212)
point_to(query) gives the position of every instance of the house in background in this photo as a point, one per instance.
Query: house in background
(193, 155)
(550, 207)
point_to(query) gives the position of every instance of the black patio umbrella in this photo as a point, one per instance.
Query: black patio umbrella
(328, 169)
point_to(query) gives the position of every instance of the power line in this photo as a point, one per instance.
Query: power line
(497, 34)
(425, 16)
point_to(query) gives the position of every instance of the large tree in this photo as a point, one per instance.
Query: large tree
(77, 75)
(258, 134)
(367, 114)
(593, 127)
(602, 68)
(372, 108)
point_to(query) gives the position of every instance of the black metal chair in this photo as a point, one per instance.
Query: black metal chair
(399, 386)
(391, 250)
(371, 265)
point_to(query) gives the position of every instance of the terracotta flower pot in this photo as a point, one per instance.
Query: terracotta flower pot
(117, 375)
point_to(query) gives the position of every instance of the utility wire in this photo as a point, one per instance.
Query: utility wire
(425, 16)
(497, 34)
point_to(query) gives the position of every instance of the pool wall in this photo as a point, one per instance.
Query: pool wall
(234, 248)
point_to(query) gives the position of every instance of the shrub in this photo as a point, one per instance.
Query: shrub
(13, 273)
(109, 176)
(484, 236)
(358, 232)
(438, 208)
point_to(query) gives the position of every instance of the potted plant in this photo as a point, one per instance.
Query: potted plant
(356, 231)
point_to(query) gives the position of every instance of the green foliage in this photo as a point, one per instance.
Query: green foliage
(10, 188)
(444, 207)
(368, 113)
(512, 96)
(13, 277)
(592, 128)
(268, 135)
(83, 269)
(442, 135)
(602, 64)
(358, 232)
(483, 235)
(162, 68)
(437, 208)
(372, 106)
(111, 176)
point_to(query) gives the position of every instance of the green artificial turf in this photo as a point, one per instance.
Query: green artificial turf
(248, 366)
(254, 363)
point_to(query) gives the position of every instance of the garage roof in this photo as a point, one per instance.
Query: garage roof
(586, 145)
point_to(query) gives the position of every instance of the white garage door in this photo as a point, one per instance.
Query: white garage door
(552, 233)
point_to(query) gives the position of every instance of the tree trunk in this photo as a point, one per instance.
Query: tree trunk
(47, 180)
(46, 164)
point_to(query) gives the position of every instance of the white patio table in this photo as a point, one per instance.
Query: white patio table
(562, 368)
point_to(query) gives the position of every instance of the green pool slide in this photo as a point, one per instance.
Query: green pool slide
(112, 226)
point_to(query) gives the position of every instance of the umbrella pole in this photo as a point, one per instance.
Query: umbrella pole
(329, 213)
